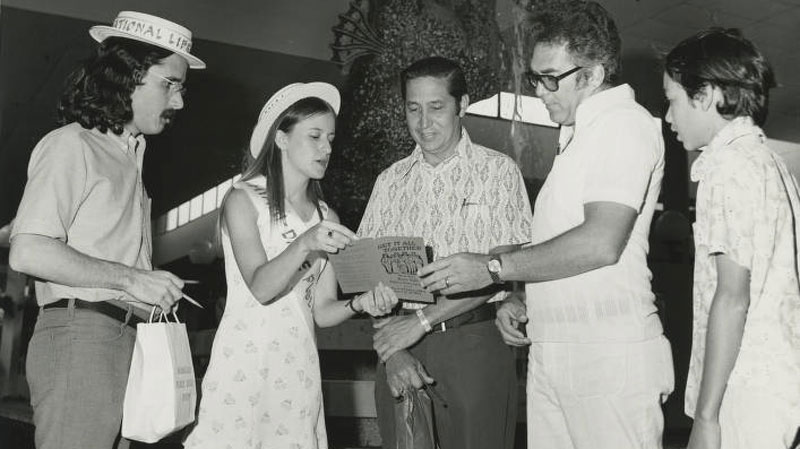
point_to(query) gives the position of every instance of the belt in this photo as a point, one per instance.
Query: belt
(484, 312)
(101, 307)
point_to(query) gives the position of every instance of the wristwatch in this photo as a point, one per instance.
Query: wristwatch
(495, 267)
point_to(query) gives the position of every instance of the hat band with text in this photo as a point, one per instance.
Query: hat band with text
(154, 33)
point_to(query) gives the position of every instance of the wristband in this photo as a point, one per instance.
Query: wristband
(424, 321)
(350, 305)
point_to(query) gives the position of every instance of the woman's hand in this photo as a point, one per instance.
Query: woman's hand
(378, 302)
(326, 236)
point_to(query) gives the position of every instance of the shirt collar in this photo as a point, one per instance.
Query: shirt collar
(593, 107)
(133, 146)
(602, 101)
(464, 151)
(126, 141)
(734, 130)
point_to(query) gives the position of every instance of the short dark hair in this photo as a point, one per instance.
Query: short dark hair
(585, 27)
(98, 93)
(723, 58)
(437, 67)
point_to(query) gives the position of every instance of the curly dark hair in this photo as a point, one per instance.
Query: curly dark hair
(586, 28)
(98, 94)
(724, 58)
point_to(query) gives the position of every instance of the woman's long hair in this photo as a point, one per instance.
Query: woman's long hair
(98, 94)
(269, 163)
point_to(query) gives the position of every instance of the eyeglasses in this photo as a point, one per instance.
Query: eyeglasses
(550, 82)
(173, 86)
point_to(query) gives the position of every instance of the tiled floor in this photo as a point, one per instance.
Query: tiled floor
(16, 432)
(17, 435)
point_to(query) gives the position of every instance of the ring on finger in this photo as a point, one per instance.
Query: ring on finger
(446, 282)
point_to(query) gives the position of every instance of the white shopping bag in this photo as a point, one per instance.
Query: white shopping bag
(160, 397)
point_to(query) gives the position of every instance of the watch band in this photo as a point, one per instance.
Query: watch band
(423, 320)
(495, 274)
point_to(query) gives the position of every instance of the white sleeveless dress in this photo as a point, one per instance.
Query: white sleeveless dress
(263, 389)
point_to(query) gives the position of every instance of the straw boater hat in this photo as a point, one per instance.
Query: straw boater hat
(281, 101)
(152, 30)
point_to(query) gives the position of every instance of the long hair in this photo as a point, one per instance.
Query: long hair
(587, 30)
(98, 93)
(724, 58)
(269, 163)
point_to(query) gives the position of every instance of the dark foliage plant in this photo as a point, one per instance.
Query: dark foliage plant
(375, 40)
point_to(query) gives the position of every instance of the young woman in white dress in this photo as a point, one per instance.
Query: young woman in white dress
(262, 388)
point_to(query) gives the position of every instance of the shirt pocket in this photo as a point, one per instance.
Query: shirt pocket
(474, 210)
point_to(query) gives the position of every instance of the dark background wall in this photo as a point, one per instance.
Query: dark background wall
(204, 146)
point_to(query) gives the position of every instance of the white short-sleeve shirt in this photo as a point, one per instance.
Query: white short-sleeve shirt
(613, 153)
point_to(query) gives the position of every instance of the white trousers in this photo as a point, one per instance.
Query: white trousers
(598, 395)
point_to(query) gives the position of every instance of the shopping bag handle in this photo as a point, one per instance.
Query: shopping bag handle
(161, 316)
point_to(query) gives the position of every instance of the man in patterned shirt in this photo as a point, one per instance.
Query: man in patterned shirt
(458, 196)
(743, 387)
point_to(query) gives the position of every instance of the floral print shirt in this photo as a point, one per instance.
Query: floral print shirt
(747, 209)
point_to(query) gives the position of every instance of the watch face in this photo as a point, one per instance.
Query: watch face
(494, 266)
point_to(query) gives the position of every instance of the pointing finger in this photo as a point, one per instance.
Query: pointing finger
(433, 267)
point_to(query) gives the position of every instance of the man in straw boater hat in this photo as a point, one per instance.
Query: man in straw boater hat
(83, 229)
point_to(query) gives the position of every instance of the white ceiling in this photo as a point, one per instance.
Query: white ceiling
(302, 27)
(649, 26)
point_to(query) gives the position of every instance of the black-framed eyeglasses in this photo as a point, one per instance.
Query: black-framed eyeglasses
(550, 82)
(173, 86)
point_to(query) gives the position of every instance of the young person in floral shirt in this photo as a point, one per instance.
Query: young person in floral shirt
(743, 388)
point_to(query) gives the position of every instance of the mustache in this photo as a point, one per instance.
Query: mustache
(169, 114)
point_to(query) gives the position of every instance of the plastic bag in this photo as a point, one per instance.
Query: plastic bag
(414, 421)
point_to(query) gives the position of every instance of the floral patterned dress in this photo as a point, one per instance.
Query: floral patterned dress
(262, 389)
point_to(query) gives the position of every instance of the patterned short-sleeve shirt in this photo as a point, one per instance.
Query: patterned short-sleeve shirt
(747, 206)
(472, 202)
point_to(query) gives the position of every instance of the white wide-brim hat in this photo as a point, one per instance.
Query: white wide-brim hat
(152, 30)
(281, 101)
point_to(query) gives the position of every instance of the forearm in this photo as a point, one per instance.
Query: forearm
(726, 322)
(444, 309)
(332, 312)
(577, 251)
(328, 310)
(52, 260)
(272, 278)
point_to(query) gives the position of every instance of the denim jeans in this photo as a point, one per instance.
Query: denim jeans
(77, 369)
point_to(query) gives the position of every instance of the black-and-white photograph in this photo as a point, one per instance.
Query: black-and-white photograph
(602, 197)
